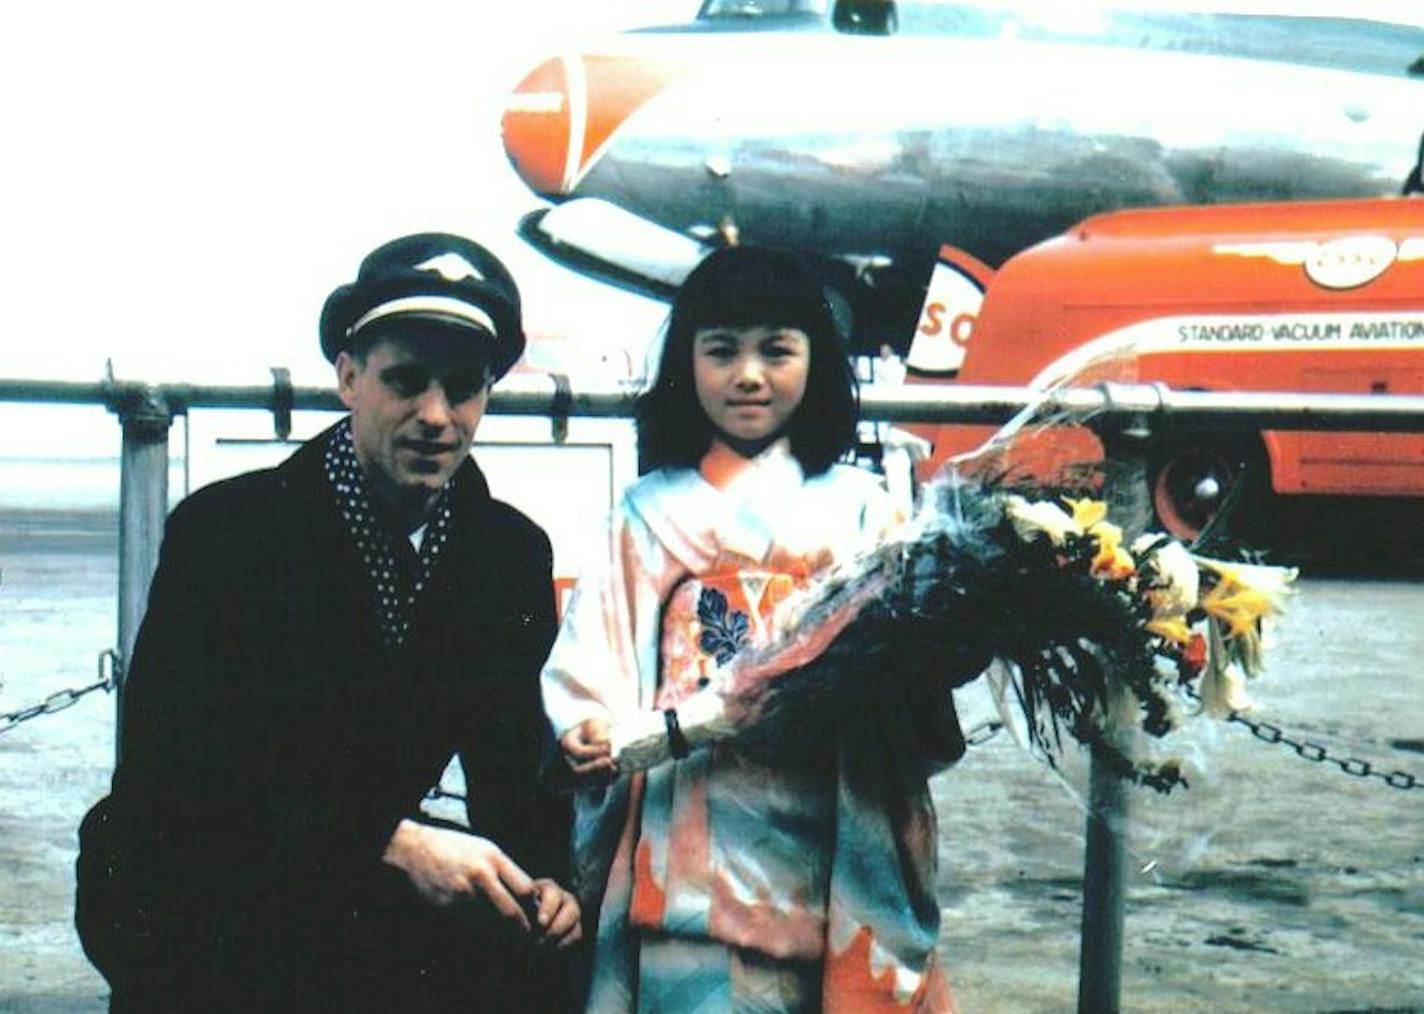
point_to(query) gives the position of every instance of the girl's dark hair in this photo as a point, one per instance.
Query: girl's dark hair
(744, 287)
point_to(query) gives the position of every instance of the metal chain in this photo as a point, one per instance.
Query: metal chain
(1318, 753)
(62, 699)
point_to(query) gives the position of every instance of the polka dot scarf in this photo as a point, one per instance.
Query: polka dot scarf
(397, 573)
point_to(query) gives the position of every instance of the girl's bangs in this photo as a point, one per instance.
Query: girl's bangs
(744, 287)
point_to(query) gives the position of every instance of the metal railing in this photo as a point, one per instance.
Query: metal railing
(1124, 416)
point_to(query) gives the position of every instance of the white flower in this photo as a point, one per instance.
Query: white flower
(1031, 519)
(1223, 691)
(1173, 579)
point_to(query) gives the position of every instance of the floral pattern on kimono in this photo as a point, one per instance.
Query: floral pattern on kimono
(825, 853)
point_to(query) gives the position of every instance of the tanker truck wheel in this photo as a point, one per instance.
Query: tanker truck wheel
(1195, 479)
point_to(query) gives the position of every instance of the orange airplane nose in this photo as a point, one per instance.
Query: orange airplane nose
(564, 113)
(537, 128)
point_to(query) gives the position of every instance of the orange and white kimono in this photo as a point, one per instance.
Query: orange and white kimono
(797, 878)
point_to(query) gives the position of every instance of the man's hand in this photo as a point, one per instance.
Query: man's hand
(557, 917)
(449, 867)
(586, 747)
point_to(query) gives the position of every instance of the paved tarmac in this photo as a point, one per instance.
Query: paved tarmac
(1274, 884)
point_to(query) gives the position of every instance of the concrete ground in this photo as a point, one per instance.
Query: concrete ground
(1275, 884)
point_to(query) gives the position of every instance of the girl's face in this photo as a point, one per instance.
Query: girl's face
(750, 380)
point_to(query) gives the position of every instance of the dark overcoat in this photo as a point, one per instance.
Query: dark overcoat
(270, 745)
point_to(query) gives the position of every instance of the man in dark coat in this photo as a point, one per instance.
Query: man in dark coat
(320, 639)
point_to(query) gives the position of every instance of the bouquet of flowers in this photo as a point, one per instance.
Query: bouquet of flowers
(1099, 635)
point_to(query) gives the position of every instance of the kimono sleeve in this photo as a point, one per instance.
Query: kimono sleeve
(604, 661)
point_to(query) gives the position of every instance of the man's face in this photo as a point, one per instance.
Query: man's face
(415, 404)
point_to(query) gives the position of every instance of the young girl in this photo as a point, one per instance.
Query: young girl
(735, 878)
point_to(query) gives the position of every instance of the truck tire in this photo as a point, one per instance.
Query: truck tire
(1195, 477)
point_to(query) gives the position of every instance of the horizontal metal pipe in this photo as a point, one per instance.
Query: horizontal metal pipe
(59, 392)
(972, 403)
(538, 394)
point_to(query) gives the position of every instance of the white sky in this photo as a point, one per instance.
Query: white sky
(189, 180)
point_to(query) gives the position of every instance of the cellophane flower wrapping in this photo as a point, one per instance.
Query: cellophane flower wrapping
(1094, 633)
(1105, 642)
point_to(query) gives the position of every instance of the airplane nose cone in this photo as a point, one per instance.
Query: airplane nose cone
(565, 112)
(537, 128)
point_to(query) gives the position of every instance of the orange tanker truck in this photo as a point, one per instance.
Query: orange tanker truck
(1305, 296)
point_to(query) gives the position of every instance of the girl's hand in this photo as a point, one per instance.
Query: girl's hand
(586, 747)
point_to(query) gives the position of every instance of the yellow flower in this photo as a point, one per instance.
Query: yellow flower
(1087, 513)
(1171, 628)
(1106, 534)
(1112, 561)
(1243, 596)
(1245, 593)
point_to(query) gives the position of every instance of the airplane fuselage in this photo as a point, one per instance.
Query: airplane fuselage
(876, 151)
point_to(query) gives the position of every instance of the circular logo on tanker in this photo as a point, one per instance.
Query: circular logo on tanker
(1350, 261)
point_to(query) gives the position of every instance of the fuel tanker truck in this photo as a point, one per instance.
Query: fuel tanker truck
(1312, 296)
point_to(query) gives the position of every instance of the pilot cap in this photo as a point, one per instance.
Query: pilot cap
(430, 276)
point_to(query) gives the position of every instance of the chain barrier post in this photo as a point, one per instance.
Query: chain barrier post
(1125, 447)
(143, 509)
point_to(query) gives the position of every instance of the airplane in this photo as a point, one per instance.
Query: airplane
(891, 141)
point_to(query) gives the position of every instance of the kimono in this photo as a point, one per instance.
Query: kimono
(792, 879)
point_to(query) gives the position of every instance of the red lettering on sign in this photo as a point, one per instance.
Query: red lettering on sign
(961, 328)
(931, 323)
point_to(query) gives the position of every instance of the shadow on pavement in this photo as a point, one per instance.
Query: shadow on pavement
(1343, 536)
